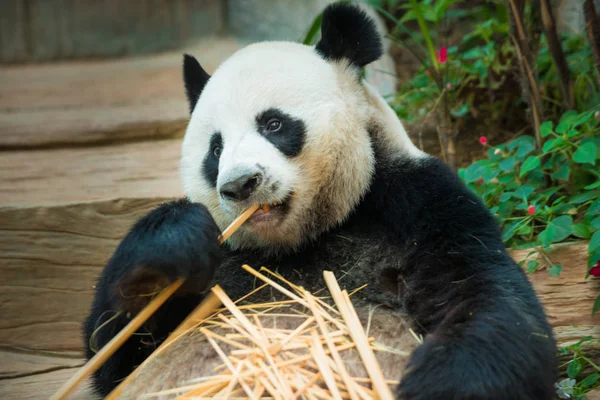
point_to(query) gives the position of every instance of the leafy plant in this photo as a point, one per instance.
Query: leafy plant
(513, 182)
(576, 385)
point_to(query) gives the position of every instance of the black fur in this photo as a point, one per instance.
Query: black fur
(176, 239)
(347, 32)
(210, 165)
(194, 78)
(425, 244)
(290, 139)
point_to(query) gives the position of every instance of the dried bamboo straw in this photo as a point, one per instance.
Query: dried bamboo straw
(358, 334)
(111, 347)
(116, 342)
(239, 221)
(260, 360)
(202, 311)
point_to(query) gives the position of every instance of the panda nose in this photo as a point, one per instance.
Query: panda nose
(241, 188)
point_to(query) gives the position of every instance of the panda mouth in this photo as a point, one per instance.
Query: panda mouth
(268, 210)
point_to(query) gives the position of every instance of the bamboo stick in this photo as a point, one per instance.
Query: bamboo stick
(202, 311)
(334, 353)
(239, 221)
(116, 342)
(358, 335)
(111, 347)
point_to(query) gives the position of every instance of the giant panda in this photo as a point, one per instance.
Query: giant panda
(297, 129)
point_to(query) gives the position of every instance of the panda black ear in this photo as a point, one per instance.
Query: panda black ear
(348, 32)
(194, 78)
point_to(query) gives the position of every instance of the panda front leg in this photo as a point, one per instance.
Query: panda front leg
(486, 337)
(177, 239)
(486, 334)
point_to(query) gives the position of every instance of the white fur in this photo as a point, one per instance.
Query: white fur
(334, 169)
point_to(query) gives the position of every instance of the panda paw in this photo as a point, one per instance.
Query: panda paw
(176, 240)
(456, 370)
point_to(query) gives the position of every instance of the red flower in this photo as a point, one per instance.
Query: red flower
(595, 270)
(442, 55)
(531, 210)
(483, 140)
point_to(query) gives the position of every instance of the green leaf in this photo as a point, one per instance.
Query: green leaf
(562, 173)
(577, 346)
(595, 223)
(585, 196)
(594, 208)
(546, 128)
(589, 381)
(593, 185)
(543, 237)
(524, 230)
(490, 173)
(596, 305)
(476, 171)
(310, 36)
(594, 242)
(524, 149)
(523, 192)
(532, 266)
(564, 208)
(508, 164)
(555, 270)
(507, 178)
(551, 191)
(569, 117)
(574, 368)
(582, 230)
(572, 133)
(441, 7)
(586, 153)
(572, 118)
(552, 143)
(529, 164)
(506, 196)
(560, 228)
(562, 127)
(510, 229)
(521, 140)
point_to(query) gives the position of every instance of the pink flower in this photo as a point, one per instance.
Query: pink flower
(595, 270)
(448, 85)
(531, 210)
(483, 140)
(442, 55)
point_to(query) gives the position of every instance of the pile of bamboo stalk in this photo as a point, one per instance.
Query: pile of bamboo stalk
(270, 362)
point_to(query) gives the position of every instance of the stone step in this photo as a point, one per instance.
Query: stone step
(144, 169)
(84, 103)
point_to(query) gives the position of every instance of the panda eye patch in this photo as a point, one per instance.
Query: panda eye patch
(273, 125)
(285, 132)
(210, 165)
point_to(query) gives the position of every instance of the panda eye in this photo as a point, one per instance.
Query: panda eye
(217, 151)
(273, 125)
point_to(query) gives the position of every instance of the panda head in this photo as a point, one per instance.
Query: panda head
(285, 125)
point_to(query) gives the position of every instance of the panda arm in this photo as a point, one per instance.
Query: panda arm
(178, 239)
(486, 333)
